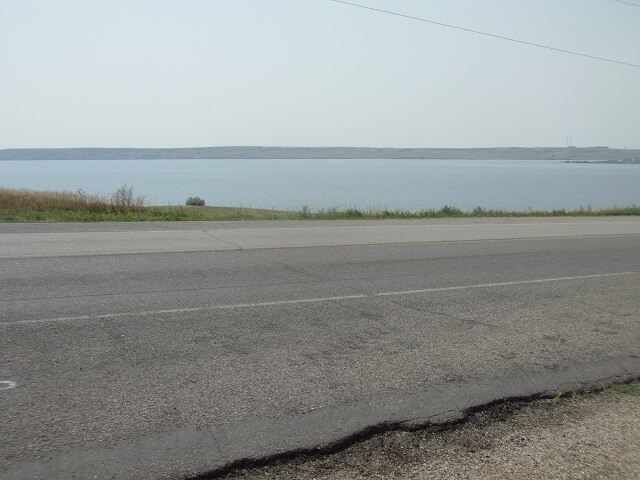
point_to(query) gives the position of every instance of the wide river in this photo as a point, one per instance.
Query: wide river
(375, 184)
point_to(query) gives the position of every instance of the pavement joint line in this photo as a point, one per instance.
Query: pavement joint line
(345, 245)
(234, 306)
(455, 225)
(379, 225)
(263, 260)
(234, 245)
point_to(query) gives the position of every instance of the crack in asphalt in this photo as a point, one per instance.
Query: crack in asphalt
(348, 288)
(367, 295)
(469, 321)
(352, 290)
(265, 261)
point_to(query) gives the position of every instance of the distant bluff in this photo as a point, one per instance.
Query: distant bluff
(505, 153)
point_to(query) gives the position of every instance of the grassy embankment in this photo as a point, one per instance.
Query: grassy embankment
(123, 206)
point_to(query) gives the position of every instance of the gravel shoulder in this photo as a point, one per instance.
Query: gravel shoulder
(595, 436)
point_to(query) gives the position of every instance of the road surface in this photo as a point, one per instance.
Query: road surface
(169, 350)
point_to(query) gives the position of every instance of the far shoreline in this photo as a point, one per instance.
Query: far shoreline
(582, 154)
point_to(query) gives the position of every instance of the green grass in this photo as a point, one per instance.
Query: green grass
(33, 206)
(145, 214)
(632, 388)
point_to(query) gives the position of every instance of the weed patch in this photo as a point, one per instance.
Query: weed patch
(632, 388)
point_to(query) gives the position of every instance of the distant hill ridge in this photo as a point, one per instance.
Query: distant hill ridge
(506, 153)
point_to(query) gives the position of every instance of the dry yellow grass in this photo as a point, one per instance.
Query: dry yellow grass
(13, 201)
(16, 201)
(123, 205)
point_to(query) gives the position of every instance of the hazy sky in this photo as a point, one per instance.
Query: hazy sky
(178, 73)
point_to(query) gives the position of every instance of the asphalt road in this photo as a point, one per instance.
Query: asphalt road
(168, 350)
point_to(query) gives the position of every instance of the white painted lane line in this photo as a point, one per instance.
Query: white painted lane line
(6, 385)
(186, 310)
(502, 284)
(234, 306)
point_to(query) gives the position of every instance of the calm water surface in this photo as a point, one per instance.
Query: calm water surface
(393, 184)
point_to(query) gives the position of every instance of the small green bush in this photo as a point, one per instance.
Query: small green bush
(195, 202)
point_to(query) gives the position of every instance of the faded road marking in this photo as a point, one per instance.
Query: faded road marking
(6, 385)
(234, 306)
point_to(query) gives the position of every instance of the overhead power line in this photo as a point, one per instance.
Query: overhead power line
(628, 3)
(570, 52)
